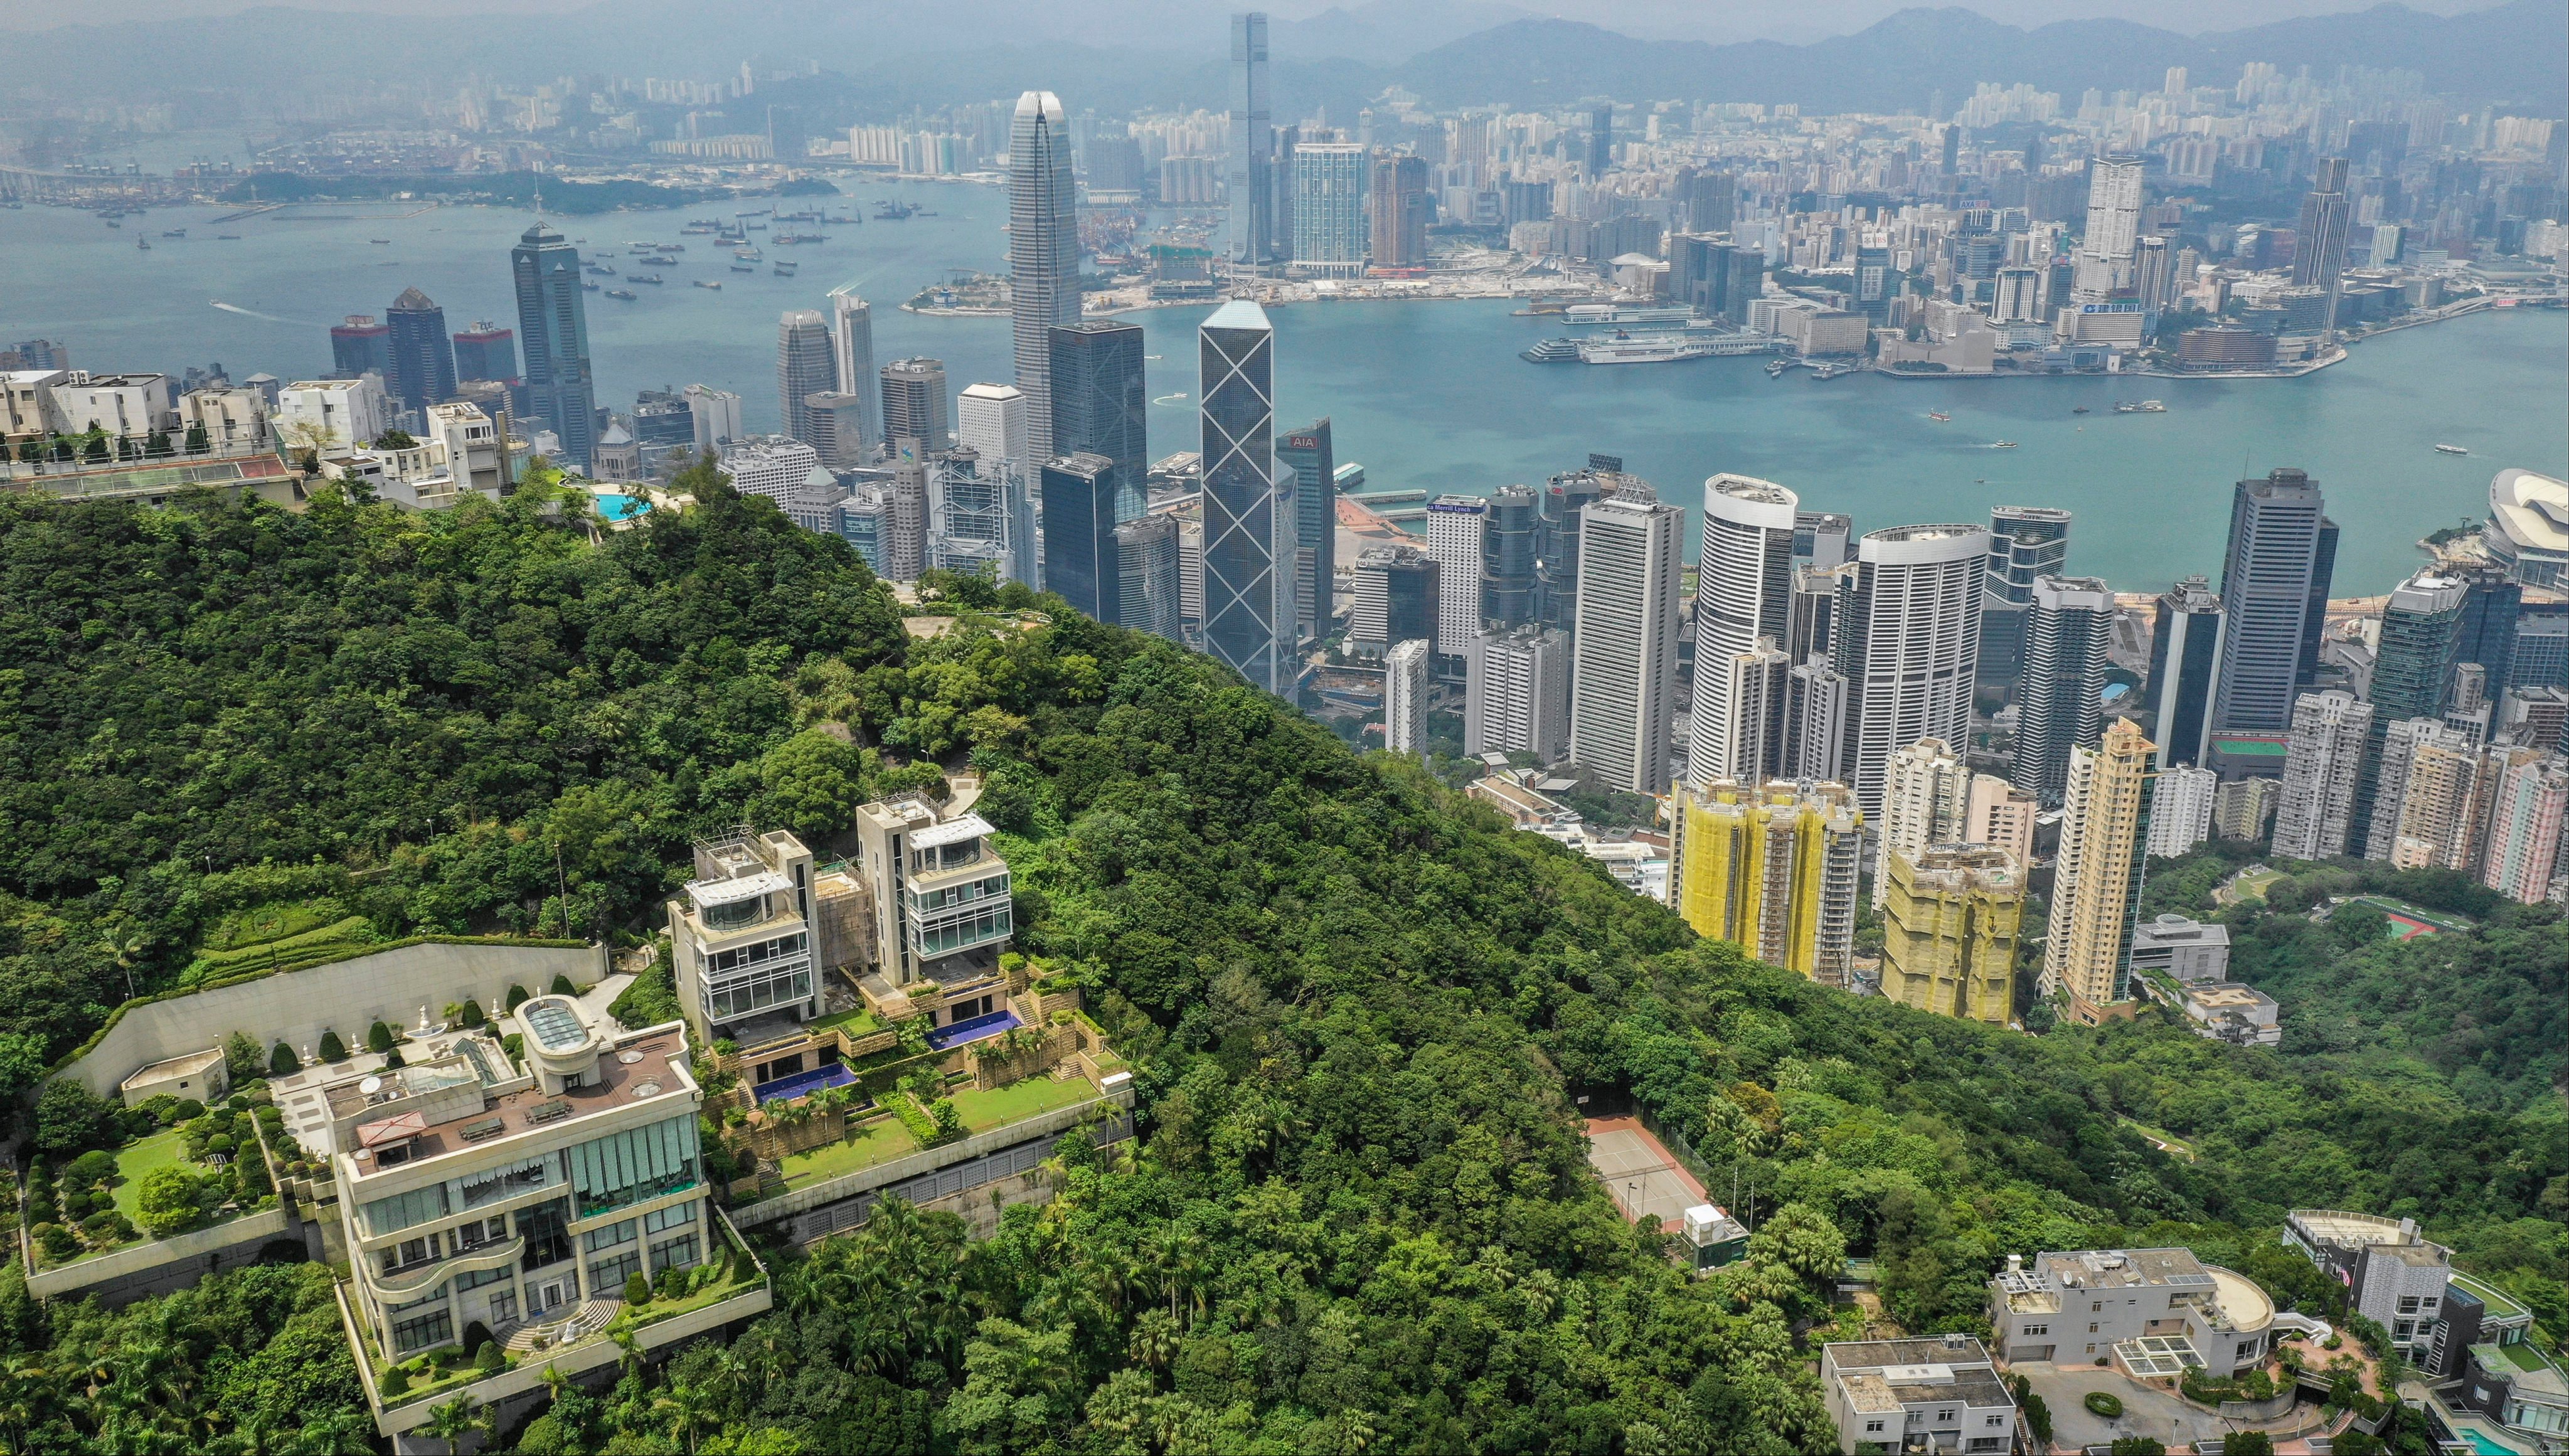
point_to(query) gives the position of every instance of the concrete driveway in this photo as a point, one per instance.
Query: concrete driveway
(2147, 1411)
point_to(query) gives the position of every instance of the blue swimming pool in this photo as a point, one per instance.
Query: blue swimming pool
(615, 506)
(971, 1029)
(786, 1089)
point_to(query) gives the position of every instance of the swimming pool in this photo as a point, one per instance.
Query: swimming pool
(615, 506)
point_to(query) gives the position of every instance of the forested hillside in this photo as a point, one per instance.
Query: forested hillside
(1361, 1010)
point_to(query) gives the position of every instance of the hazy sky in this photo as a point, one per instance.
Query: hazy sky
(1794, 20)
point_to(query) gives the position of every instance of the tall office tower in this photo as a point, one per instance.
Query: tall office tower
(2388, 762)
(1511, 544)
(904, 526)
(990, 421)
(1455, 527)
(1712, 201)
(1405, 696)
(1279, 181)
(1601, 139)
(2492, 604)
(2437, 824)
(552, 327)
(2000, 814)
(2185, 666)
(1079, 532)
(851, 356)
(2412, 667)
(1925, 800)
(2016, 296)
(1313, 462)
(2154, 276)
(1953, 140)
(2113, 229)
(1743, 592)
(1908, 630)
(2181, 810)
(2525, 823)
(1146, 572)
(486, 351)
(1950, 927)
(2026, 541)
(1756, 697)
(359, 345)
(1043, 252)
(1249, 527)
(423, 357)
(1565, 499)
(715, 413)
(1100, 404)
(2060, 704)
(1624, 648)
(1814, 732)
(1822, 538)
(2096, 880)
(1771, 868)
(2318, 244)
(804, 367)
(1815, 607)
(771, 466)
(1399, 591)
(1250, 181)
(834, 425)
(1398, 212)
(1328, 207)
(968, 512)
(1516, 692)
(914, 404)
(2273, 599)
(2320, 772)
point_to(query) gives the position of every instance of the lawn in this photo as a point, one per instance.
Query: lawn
(2251, 885)
(159, 1151)
(875, 1142)
(858, 1022)
(1018, 1101)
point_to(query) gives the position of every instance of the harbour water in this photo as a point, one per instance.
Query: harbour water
(1425, 395)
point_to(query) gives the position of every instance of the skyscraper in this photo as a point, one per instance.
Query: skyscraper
(2096, 880)
(1043, 250)
(2319, 771)
(423, 358)
(969, 514)
(1405, 696)
(2411, 669)
(1455, 527)
(1556, 572)
(2060, 705)
(2026, 541)
(1250, 181)
(834, 425)
(359, 345)
(1601, 139)
(1079, 532)
(1624, 663)
(2106, 249)
(1822, 538)
(2274, 598)
(1146, 572)
(990, 421)
(1397, 590)
(1314, 460)
(1743, 592)
(1398, 212)
(1511, 544)
(2318, 244)
(486, 351)
(1770, 869)
(1100, 404)
(2524, 828)
(715, 415)
(1925, 800)
(1907, 628)
(2387, 762)
(2185, 667)
(2439, 827)
(1516, 692)
(851, 355)
(914, 404)
(2492, 603)
(805, 366)
(2181, 810)
(552, 328)
(1328, 207)
(1249, 505)
(1950, 922)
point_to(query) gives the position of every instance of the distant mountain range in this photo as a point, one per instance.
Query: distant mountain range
(893, 55)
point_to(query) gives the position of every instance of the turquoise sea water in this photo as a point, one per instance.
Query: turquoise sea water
(1424, 395)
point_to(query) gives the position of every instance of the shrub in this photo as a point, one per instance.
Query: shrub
(100, 1227)
(472, 1013)
(2247, 1443)
(561, 986)
(161, 1107)
(2136, 1446)
(282, 1062)
(56, 1241)
(252, 1172)
(516, 997)
(95, 1166)
(2104, 1404)
(638, 1289)
(490, 1361)
(332, 1048)
(189, 1109)
(222, 1143)
(166, 1200)
(379, 1038)
(950, 1123)
(69, 1117)
(396, 1383)
(240, 1057)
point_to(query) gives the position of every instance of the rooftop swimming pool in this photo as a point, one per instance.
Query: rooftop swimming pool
(615, 506)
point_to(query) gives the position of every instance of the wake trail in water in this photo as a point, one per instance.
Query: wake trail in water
(272, 318)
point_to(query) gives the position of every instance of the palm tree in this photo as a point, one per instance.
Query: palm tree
(629, 1349)
(555, 1381)
(690, 1411)
(23, 1386)
(456, 1419)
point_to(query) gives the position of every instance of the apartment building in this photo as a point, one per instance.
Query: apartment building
(1942, 1394)
(2150, 1311)
(2392, 1277)
(741, 936)
(941, 898)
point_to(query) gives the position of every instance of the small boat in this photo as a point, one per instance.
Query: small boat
(380, 241)
(2450, 450)
(2127, 406)
(144, 243)
(2080, 410)
(895, 210)
(2153, 406)
(227, 238)
(713, 283)
(2003, 445)
(673, 247)
(627, 294)
(783, 269)
(588, 287)
(111, 223)
(653, 278)
(1776, 369)
(1940, 417)
(745, 267)
(174, 233)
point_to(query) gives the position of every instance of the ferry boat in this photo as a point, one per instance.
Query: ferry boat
(673, 247)
(2153, 406)
(743, 267)
(2450, 450)
(748, 254)
(627, 294)
(713, 283)
(785, 267)
(1647, 349)
(894, 210)
(1776, 369)
(643, 279)
(599, 270)
(2003, 445)
(1940, 417)
(1832, 371)
(1618, 313)
(1552, 351)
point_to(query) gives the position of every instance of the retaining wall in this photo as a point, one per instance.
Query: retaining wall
(120, 1275)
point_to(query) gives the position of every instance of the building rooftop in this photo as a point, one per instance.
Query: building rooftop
(2353, 1230)
(2171, 928)
(2227, 995)
(190, 1066)
(2499, 1304)
(638, 1069)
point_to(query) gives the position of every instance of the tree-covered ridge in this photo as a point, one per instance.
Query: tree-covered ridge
(1360, 1010)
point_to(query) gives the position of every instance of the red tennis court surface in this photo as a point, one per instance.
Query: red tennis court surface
(1639, 1172)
